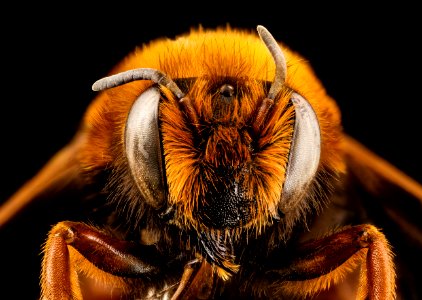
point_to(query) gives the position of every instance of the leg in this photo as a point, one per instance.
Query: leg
(198, 282)
(75, 247)
(317, 264)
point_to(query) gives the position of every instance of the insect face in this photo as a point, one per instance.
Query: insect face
(223, 184)
(220, 144)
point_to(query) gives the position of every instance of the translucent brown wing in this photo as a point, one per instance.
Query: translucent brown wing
(59, 191)
(58, 174)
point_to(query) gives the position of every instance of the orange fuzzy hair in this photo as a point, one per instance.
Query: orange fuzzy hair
(212, 56)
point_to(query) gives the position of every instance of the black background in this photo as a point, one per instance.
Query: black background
(368, 58)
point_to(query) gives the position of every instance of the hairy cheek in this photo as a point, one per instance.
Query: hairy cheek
(267, 182)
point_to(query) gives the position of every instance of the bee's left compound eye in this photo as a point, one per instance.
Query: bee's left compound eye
(143, 147)
(304, 154)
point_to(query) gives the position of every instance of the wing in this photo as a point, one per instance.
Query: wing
(57, 180)
(59, 191)
(392, 201)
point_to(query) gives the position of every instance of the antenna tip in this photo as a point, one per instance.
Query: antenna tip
(95, 86)
(261, 29)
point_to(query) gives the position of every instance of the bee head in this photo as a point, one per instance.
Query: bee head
(225, 152)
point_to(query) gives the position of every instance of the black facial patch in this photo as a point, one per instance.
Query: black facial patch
(225, 205)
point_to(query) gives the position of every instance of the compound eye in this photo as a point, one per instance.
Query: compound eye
(304, 154)
(143, 147)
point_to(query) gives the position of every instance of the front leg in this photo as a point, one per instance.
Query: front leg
(317, 264)
(75, 247)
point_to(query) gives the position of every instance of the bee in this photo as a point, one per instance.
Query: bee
(215, 166)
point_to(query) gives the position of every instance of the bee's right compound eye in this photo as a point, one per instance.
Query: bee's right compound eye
(143, 147)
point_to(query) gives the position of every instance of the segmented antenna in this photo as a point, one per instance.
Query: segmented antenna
(279, 59)
(138, 74)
